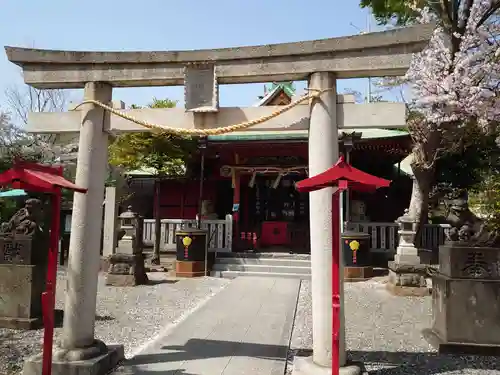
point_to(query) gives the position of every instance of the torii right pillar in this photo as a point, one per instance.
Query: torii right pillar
(323, 154)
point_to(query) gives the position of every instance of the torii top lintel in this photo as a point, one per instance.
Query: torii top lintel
(378, 54)
(342, 172)
(37, 178)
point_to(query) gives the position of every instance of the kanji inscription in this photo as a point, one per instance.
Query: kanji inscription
(12, 252)
(476, 266)
(201, 88)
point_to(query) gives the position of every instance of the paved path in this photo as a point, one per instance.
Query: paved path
(244, 329)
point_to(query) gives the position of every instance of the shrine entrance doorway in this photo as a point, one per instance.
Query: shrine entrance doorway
(272, 208)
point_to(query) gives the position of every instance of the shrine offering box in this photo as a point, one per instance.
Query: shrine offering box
(274, 233)
(191, 247)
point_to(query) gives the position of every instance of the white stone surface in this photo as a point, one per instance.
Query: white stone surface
(86, 225)
(406, 252)
(323, 153)
(349, 115)
(376, 54)
(110, 222)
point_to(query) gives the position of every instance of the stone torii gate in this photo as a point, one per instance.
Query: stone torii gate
(321, 62)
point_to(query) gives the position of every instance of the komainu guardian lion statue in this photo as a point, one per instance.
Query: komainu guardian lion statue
(25, 221)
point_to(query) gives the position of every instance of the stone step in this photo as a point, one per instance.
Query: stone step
(234, 274)
(262, 268)
(290, 262)
(221, 255)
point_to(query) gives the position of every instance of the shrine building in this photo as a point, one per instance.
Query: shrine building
(251, 175)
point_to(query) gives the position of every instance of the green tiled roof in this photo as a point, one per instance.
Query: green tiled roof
(142, 172)
(367, 133)
(288, 87)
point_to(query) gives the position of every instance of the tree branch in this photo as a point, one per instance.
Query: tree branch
(26, 99)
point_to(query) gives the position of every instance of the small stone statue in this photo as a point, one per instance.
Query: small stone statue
(25, 221)
(467, 228)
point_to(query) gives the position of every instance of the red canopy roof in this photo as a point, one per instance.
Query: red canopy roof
(356, 179)
(37, 177)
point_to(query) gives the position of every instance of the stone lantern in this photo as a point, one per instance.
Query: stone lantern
(126, 267)
(131, 226)
(407, 276)
(406, 251)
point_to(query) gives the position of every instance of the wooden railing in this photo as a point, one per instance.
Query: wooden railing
(220, 232)
(384, 236)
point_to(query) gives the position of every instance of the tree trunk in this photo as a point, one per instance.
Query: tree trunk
(156, 256)
(419, 202)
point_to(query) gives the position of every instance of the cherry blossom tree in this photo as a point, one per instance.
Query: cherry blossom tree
(455, 83)
(17, 143)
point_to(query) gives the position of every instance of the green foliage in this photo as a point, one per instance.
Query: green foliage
(164, 153)
(8, 207)
(484, 164)
(485, 200)
(468, 172)
(399, 12)
(466, 167)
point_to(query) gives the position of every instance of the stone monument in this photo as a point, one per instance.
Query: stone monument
(407, 276)
(126, 267)
(23, 268)
(466, 289)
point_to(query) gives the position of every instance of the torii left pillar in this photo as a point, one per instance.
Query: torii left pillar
(78, 347)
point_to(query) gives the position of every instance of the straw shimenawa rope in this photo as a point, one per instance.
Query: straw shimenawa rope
(314, 93)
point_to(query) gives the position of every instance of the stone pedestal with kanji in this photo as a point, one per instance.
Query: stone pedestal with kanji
(466, 301)
(23, 269)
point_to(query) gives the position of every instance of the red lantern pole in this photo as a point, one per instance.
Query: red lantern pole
(48, 297)
(335, 281)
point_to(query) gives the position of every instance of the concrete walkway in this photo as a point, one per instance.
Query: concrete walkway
(244, 329)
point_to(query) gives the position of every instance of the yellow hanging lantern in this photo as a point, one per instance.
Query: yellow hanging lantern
(186, 241)
(354, 245)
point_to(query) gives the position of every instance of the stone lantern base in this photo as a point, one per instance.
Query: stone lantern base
(126, 270)
(407, 274)
(408, 279)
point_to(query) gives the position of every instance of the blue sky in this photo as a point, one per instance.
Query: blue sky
(128, 25)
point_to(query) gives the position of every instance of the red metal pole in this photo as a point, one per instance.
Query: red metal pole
(335, 281)
(48, 297)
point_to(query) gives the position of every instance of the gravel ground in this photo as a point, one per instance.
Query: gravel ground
(129, 315)
(383, 331)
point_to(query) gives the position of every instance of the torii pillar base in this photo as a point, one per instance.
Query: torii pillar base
(306, 366)
(99, 359)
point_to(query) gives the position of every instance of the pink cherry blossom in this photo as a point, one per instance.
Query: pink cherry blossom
(458, 84)
(16, 143)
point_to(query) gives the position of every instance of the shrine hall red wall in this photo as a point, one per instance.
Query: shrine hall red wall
(179, 199)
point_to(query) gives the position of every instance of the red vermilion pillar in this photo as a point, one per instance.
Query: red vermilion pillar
(335, 282)
(48, 297)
